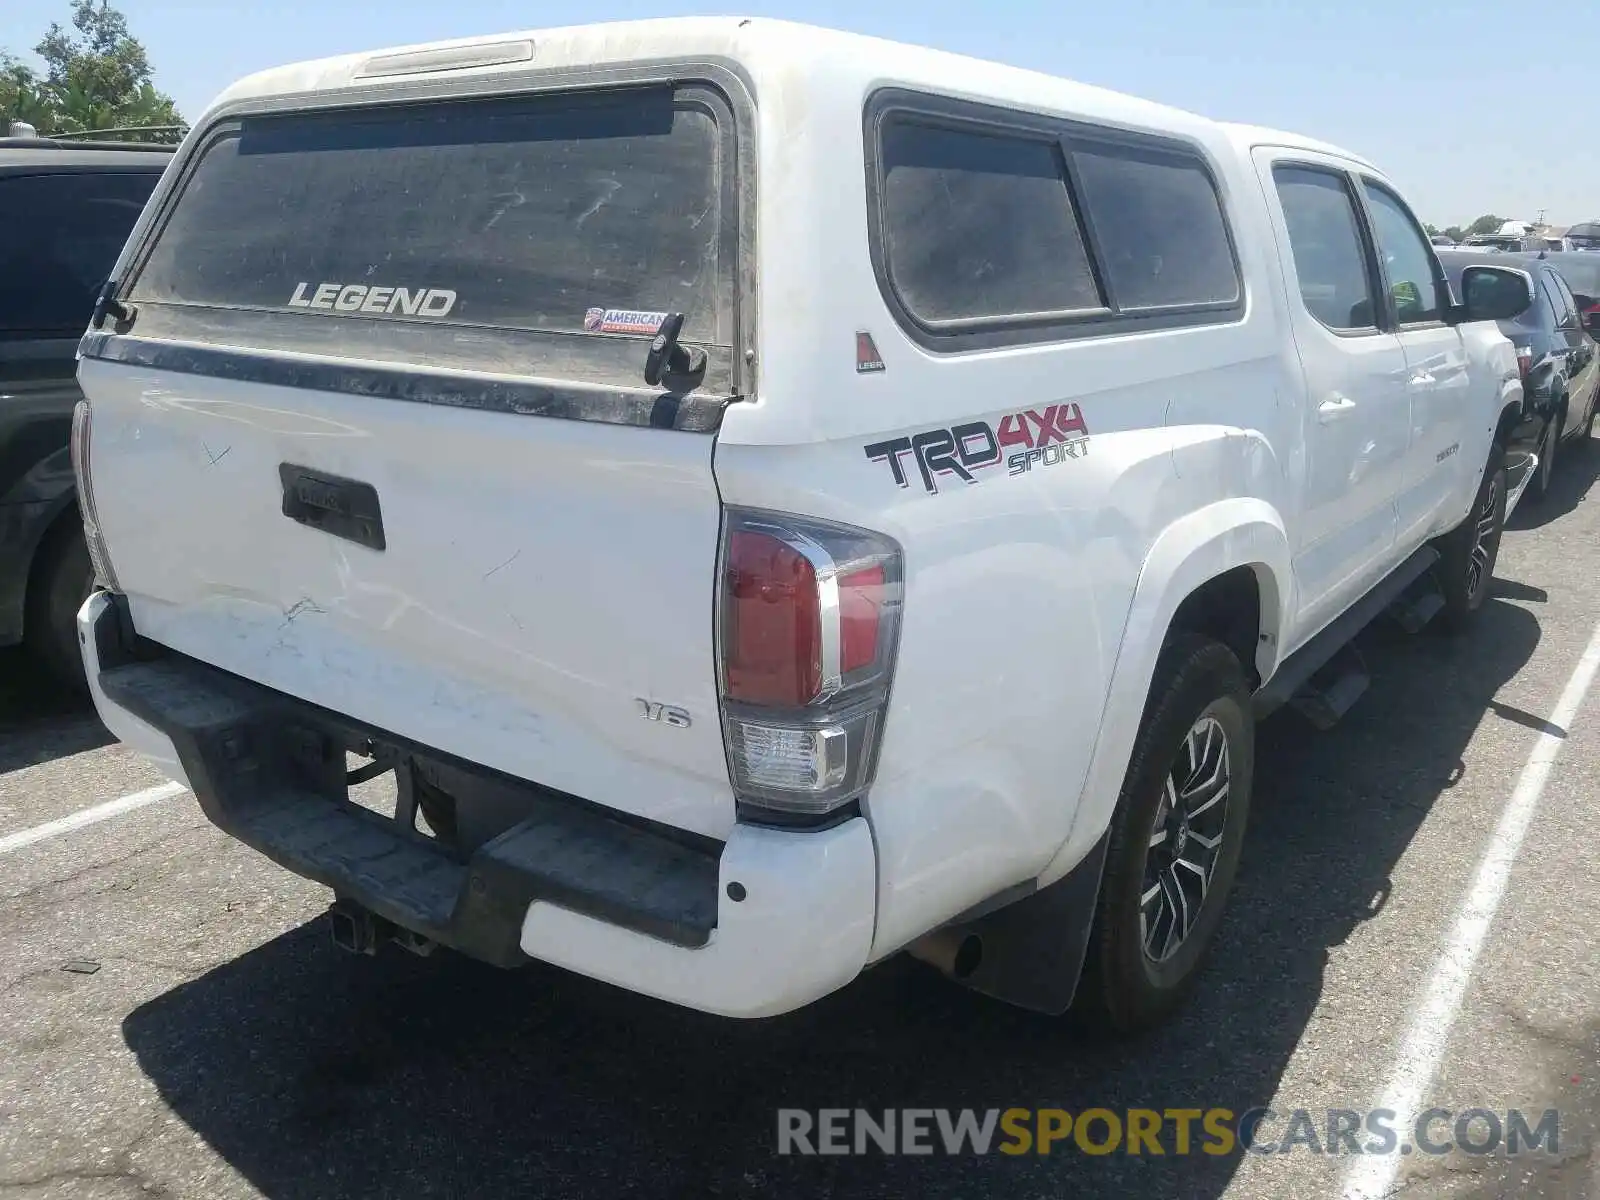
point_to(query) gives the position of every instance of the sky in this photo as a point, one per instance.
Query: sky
(1424, 90)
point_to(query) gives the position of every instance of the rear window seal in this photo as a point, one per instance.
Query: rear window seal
(643, 407)
(720, 82)
(994, 332)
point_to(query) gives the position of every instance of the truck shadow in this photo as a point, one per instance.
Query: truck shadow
(1577, 468)
(39, 720)
(313, 1074)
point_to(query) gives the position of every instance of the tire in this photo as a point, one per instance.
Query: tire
(1539, 486)
(61, 581)
(1135, 975)
(1467, 553)
(1587, 432)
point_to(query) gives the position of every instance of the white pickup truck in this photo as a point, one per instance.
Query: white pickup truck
(773, 499)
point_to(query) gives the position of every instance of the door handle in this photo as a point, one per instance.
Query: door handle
(1332, 410)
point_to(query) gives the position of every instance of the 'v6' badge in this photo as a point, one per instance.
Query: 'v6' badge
(665, 714)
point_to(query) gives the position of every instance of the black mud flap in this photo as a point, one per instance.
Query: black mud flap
(1029, 952)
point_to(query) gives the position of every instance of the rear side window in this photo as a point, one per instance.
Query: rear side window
(992, 226)
(580, 213)
(1160, 227)
(1581, 273)
(1546, 312)
(1563, 312)
(1569, 303)
(1329, 258)
(63, 235)
(981, 226)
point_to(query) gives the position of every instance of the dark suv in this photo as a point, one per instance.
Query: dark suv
(1581, 270)
(65, 208)
(1585, 236)
(1559, 360)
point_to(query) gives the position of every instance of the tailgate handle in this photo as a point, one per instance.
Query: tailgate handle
(344, 508)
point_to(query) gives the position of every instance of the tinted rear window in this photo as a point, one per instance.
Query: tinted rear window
(1581, 271)
(1562, 309)
(62, 237)
(1160, 227)
(520, 214)
(980, 226)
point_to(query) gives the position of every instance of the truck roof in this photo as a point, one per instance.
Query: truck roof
(767, 49)
(1247, 137)
(32, 155)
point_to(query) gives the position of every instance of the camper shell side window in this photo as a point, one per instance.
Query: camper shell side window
(992, 227)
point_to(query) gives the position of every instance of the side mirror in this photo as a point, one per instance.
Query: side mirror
(1495, 293)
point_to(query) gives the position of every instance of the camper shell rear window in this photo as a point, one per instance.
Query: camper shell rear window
(508, 233)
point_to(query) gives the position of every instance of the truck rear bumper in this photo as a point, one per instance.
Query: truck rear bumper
(760, 924)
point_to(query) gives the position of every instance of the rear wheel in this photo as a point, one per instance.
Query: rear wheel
(61, 581)
(1175, 838)
(1467, 553)
(1588, 424)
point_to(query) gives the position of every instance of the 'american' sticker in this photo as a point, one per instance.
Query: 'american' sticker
(622, 320)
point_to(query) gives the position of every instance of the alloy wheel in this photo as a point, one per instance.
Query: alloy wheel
(1185, 840)
(1482, 535)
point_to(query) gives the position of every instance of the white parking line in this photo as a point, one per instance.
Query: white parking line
(89, 816)
(1440, 1002)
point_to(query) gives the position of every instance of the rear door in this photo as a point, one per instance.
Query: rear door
(1582, 369)
(379, 435)
(1438, 386)
(1356, 413)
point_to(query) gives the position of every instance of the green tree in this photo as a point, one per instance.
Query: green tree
(1484, 224)
(1455, 233)
(20, 96)
(97, 75)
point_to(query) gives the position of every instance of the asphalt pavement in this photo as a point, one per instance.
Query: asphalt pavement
(174, 1020)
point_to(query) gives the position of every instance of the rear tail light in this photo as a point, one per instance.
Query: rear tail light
(1524, 361)
(99, 558)
(808, 621)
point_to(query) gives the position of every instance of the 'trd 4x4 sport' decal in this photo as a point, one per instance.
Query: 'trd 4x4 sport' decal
(1046, 438)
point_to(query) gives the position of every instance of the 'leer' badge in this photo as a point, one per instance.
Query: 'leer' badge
(866, 354)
